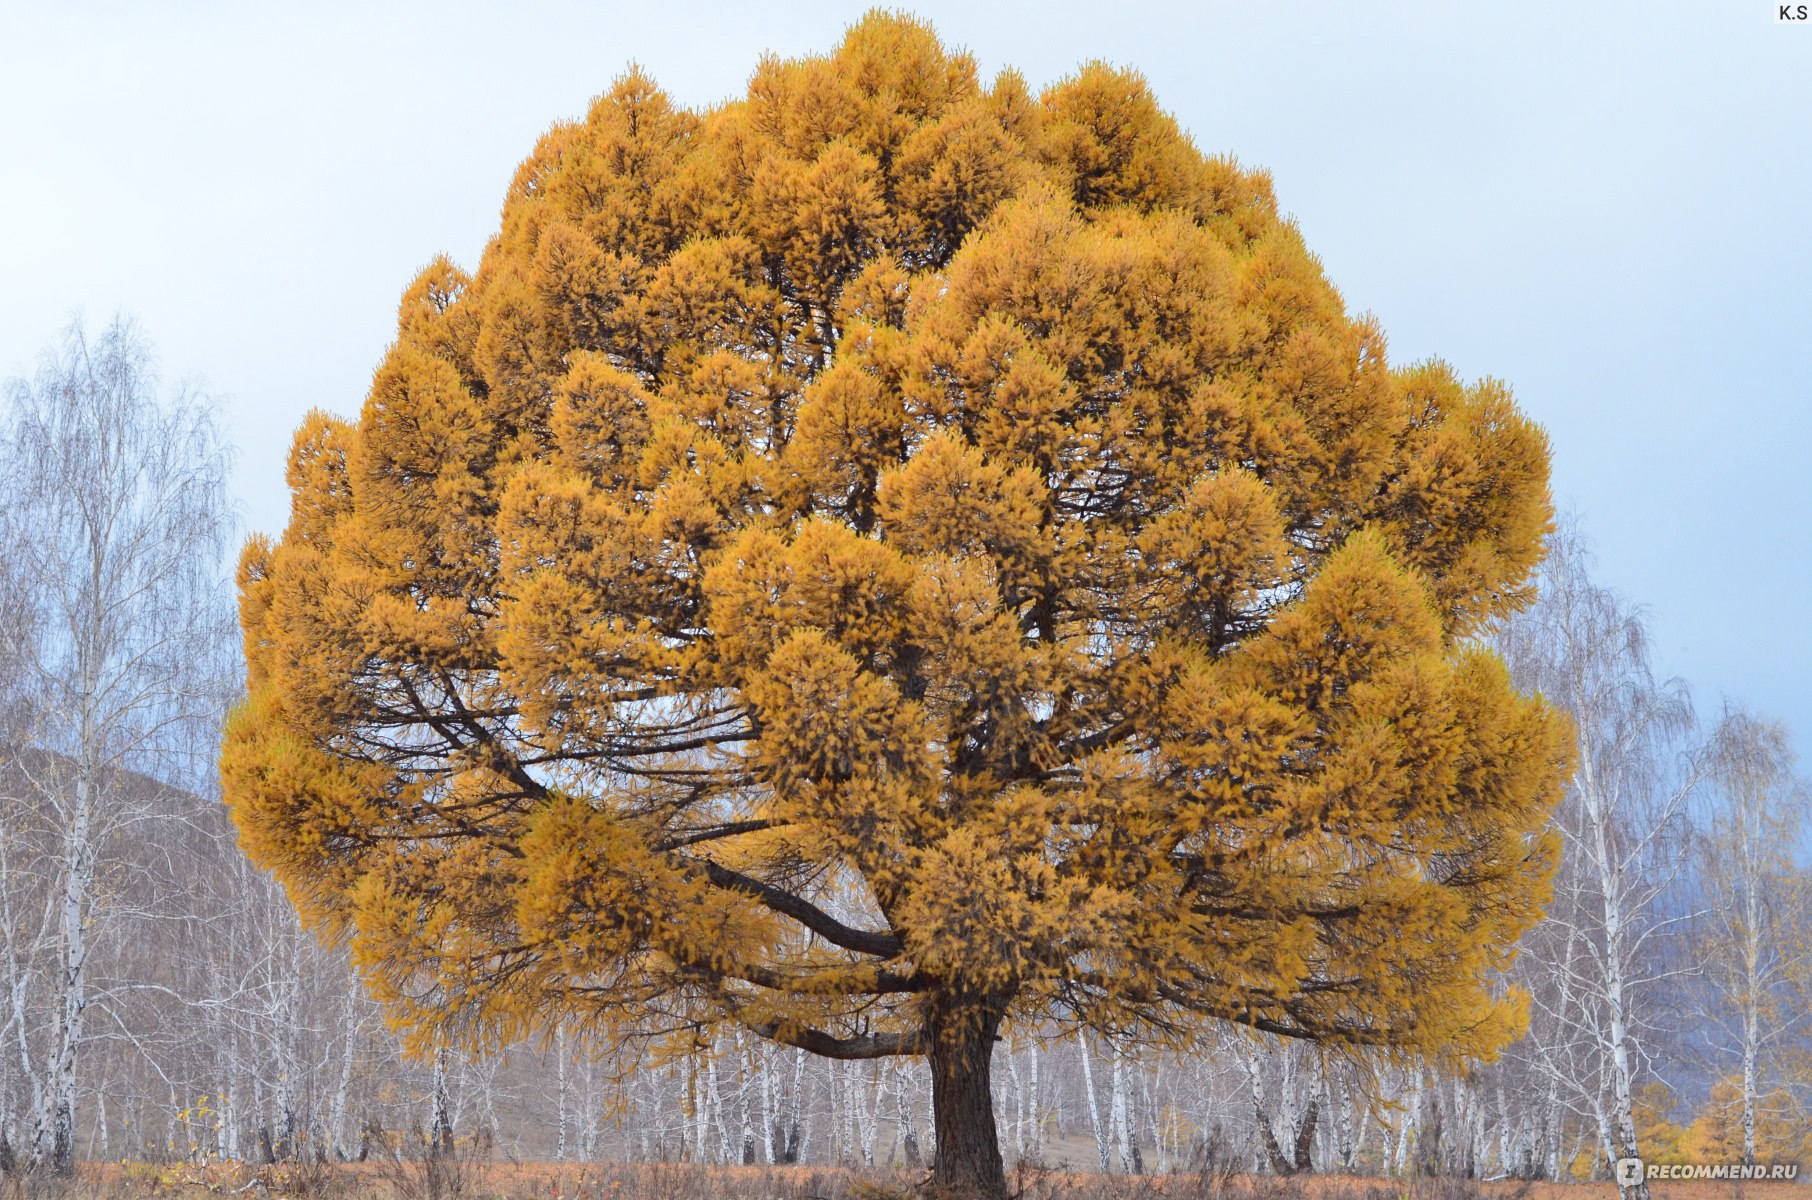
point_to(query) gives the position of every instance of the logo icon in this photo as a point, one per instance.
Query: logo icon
(1629, 1172)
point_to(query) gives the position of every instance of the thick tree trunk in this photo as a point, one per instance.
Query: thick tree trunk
(968, 1163)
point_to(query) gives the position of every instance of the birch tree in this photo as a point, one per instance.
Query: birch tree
(118, 523)
(1286, 1124)
(1756, 921)
(1623, 826)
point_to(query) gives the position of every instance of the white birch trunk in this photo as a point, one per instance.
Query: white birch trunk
(53, 1144)
(1094, 1109)
(768, 1113)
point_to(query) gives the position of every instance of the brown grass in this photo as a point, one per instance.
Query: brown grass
(463, 1177)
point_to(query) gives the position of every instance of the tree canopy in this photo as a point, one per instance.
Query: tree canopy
(890, 557)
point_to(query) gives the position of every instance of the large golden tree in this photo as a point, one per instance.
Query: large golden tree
(887, 558)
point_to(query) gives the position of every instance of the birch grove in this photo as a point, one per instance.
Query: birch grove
(118, 528)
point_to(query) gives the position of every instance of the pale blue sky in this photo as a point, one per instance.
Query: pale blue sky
(1607, 204)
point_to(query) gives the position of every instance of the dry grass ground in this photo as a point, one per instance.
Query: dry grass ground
(460, 1178)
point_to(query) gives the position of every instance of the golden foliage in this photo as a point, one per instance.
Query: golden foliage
(889, 543)
(1783, 1127)
(1658, 1137)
